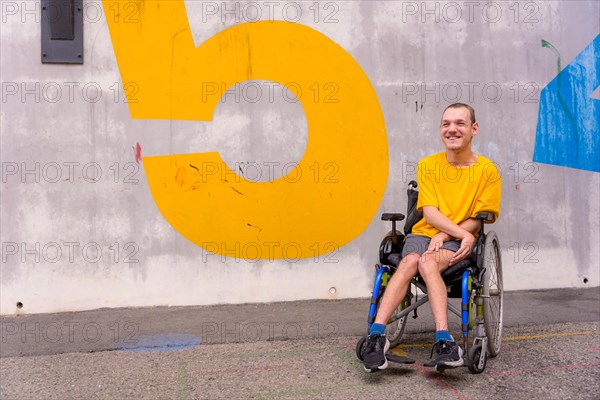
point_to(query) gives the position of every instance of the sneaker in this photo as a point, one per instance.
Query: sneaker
(374, 356)
(449, 355)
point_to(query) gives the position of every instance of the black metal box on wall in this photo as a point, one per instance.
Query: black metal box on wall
(62, 31)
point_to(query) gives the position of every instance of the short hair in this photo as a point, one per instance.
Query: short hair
(462, 105)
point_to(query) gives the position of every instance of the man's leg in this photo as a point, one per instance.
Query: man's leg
(397, 287)
(377, 344)
(430, 267)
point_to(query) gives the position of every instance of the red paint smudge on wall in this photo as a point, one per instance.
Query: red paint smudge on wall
(180, 176)
(138, 153)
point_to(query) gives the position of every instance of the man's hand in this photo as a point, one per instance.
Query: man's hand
(466, 247)
(437, 241)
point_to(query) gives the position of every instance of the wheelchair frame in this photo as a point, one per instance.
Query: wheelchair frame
(481, 287)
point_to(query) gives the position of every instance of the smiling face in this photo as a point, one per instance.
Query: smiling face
(457, 130)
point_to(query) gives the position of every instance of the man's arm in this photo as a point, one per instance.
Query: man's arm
(435, 218)
(471, 225)
(449, 230)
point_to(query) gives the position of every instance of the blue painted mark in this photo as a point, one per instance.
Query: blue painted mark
(568, 127)
(159, 343)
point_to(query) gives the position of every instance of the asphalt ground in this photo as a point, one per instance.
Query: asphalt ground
(297, 350)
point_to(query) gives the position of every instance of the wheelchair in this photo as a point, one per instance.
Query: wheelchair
(476, 280)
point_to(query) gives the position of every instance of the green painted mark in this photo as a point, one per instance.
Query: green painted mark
(296, 393)
(348, 359)
(561, 100)
(182, 380)
(280, 353)
(549, 45)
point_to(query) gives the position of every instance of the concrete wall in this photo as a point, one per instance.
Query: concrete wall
(112, 193)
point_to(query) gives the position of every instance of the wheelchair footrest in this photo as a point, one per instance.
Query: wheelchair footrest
(399, 359)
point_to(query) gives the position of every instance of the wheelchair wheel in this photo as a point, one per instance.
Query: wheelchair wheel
(474, 358)
(395, 330)
(360, 348)
(493, 292)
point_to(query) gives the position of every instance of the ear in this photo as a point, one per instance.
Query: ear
(475, 129)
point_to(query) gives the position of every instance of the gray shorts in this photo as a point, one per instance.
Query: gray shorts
(418, 244)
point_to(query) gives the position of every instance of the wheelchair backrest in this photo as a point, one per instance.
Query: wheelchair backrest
(391, 245)
(412, 215)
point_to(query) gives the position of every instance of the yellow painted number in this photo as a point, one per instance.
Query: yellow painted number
(284, 218)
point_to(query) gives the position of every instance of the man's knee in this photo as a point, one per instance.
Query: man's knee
(428, 266)
(409, 264)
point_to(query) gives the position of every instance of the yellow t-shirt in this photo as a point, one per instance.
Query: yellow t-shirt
(459, 193)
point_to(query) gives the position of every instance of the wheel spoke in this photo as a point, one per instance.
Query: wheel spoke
(493, 290)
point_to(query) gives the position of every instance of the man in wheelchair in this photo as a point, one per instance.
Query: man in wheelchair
(455, 185)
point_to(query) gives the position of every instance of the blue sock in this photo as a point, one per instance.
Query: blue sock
(377, 329)
(443, 335)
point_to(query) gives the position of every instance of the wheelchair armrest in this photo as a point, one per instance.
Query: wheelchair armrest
(392, 260)
(392, 217)
(485, 216)
(455, 270)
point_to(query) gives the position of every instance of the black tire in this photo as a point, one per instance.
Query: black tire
(360, 348)
(493, 294)
(473, 360)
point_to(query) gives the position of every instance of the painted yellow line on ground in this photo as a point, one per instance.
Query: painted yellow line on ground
(398, 351)
(522, 337)
(547, 335)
